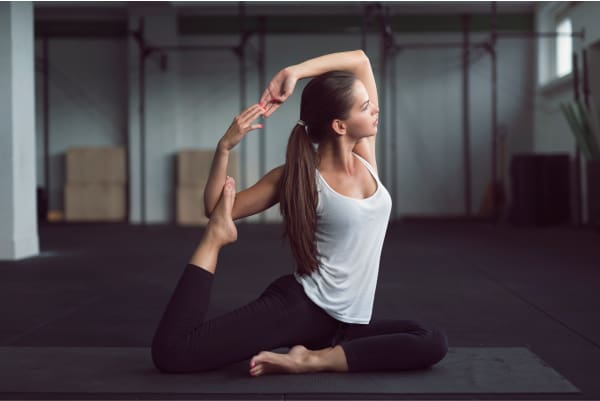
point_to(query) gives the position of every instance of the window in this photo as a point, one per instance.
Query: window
(564, 48)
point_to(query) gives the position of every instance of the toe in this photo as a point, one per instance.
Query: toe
(229, 195)
(255, 370)
(256, 360)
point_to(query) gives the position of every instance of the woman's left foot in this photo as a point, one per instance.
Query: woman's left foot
(298, 360)
(221, 225)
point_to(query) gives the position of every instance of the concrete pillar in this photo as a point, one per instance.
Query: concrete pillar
(18, 207)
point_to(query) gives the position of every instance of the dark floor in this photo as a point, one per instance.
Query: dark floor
(484, 284)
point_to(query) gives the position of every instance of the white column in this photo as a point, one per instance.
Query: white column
(18, 207)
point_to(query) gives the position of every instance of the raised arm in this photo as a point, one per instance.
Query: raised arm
(355, 61)
(241, 125)
(282, 85)
(216, 178)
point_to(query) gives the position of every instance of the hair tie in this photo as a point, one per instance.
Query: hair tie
(302, 123)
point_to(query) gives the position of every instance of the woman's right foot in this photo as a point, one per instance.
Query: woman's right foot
(221, 226)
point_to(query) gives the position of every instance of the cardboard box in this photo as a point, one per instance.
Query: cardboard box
(98, 165)
(193, 170)
(95, 202)
(193, 167)
(190, 206)
(115, 167)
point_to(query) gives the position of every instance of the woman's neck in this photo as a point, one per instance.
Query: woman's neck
(337, 157)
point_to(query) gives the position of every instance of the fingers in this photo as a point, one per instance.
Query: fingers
(251, 112)
(269, 97)
(271, 102)
(256, 110)
(244, 119)
(271, 105)
(271, 109)
(266, 97)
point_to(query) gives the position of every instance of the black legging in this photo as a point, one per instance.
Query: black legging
(282, 316)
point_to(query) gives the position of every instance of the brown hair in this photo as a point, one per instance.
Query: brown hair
(325, 98)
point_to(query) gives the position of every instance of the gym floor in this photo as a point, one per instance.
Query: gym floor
(485, 284)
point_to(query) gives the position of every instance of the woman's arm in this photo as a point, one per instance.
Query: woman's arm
(359, 64)
(282, 85)
(345, 61)
(241, 125)
(259, 197)
(355, 61)
(216, 179)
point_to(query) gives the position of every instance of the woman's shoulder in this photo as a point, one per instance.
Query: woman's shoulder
(367, 163)
(365, 148)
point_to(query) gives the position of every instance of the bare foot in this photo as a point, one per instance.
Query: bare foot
(298, 360)
(220, 225)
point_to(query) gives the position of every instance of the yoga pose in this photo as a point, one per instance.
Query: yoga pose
(336, 213)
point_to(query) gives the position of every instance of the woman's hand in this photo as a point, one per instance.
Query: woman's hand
(279, 89)
(241, 125)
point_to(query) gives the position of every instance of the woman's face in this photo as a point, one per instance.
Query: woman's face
(364, 114)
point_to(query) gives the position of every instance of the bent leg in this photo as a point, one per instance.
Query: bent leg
(280, 317)
(392, 345)
(184, 312)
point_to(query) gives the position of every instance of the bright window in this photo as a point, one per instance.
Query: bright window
(564, 48)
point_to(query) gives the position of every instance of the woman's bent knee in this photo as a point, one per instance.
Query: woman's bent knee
(162, 359)
(167, 358)
(439, 345)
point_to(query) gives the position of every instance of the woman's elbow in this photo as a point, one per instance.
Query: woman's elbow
(362, 54)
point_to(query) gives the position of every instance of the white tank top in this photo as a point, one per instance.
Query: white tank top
(349, 238)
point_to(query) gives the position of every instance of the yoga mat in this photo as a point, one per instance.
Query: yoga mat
(126, 370)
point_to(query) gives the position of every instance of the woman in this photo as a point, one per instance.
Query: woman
(335, 211)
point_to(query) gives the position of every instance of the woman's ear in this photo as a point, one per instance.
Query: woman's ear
(338, 126)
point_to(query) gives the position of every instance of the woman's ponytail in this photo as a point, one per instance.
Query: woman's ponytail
(298, 199)
(324, 98)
